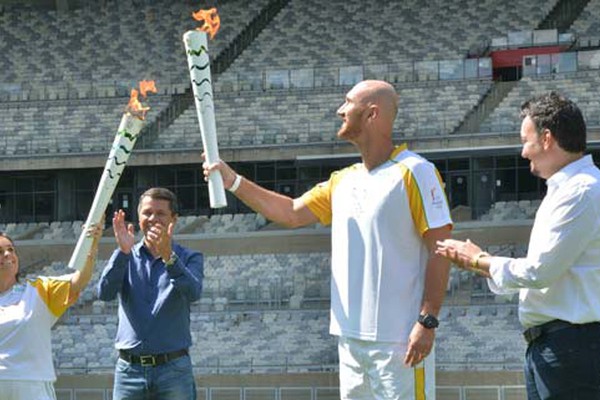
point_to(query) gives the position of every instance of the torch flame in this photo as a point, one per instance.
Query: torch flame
(135, 107)
(211, 21)
(147, 86)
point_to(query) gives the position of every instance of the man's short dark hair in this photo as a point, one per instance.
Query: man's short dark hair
(561, 117)
(159, 193)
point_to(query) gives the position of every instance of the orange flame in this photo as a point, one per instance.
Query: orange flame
(135, 107)
(211, 21)
(147, 86)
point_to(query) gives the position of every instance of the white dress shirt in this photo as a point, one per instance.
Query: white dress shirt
(560, 277)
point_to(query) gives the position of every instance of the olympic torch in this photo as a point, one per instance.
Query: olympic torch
(196, 47)
(127, 134)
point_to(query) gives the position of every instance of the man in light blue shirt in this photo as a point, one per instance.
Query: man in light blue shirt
(559, 280)
(155, 280)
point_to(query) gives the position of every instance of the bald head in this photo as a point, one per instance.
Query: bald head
(368, 112)
(381, 94)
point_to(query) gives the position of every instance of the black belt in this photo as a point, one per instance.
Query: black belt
(151, 360)
(535, 332)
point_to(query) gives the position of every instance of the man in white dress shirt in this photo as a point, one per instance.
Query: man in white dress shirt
(559, 279)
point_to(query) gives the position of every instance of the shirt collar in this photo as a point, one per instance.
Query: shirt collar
(397, 150)
(566, 172)
(140, 248)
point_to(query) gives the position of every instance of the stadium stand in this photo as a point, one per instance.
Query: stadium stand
(227, 342)
(470, 335)
(346, 33)
(587, 23)
(512, 210)
(268, 294)
(100, 51)
(300, 116)
(224, 223)
(505, 117)
(186, 224)
(265, 312)
(65, 126)
(219, 224)
(262, 340)
(289, 280)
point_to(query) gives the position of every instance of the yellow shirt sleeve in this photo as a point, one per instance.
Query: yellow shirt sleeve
(417, 202)
(318, 199)
(55, 293)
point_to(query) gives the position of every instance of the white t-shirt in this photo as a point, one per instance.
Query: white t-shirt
(378, 258)
(27, 313)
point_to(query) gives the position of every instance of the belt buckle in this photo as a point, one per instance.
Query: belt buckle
(148, 361)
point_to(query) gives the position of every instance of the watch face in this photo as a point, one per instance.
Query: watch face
(428, 321)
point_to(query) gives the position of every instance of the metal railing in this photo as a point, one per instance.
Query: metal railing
(305, 392)
(322, 77)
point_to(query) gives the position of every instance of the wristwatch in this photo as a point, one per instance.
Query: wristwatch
(428, 321)
(172, 260)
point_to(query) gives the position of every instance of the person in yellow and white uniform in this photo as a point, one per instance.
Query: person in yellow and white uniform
(28, 310)
(388, 285)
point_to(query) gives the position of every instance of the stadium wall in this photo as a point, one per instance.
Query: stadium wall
(270, 241)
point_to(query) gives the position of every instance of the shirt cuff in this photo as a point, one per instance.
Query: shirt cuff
(174, 270)
(498, 266)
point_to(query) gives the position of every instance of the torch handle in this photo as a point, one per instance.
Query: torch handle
(216, 190)
(199, 66)
(206, 118)
(82, 249)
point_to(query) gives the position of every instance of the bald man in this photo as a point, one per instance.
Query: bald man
(386, 213)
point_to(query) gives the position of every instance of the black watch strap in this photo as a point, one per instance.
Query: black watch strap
(428, 321)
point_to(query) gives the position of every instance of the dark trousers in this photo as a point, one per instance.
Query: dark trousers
(564, 364)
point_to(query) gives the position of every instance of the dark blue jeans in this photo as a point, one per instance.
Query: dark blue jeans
(173, 380)
(564, 365)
